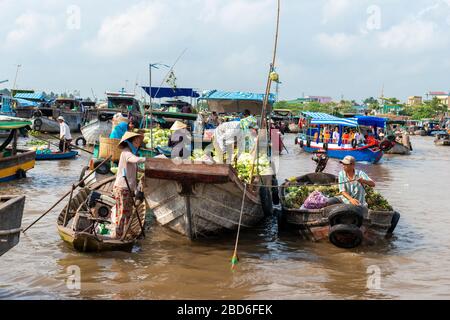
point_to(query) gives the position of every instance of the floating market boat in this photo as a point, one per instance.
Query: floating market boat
(14, 163)
(442, 139)
(198, 200)
(84, 221)
(45, 118)
(310, 140)
(11, 211)
(53, 155)
(345, 225)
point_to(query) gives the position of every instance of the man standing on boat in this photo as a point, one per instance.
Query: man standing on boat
(65, 138)
(351, 184)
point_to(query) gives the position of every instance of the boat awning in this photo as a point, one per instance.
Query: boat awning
(39, 96)
(371, 121)
(245, 96)
(325, 118)
(9, 123)
(162, 92)
(26, 103)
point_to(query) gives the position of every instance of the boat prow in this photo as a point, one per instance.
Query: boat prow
(11, 212)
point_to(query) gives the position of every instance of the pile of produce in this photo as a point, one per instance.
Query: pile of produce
(376, 201)
(296, 196)
(39, 146)
(160, 137)
(34, 133)
(244, 165)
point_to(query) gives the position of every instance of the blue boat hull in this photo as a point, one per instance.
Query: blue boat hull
(56, 156)
(366, 155)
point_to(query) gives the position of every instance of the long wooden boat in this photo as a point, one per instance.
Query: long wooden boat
(11, 212)
(14, 163)
(56, 155)
(346, 226)
(198, 200)
(442, 139)
(398, 148)
(79, 219)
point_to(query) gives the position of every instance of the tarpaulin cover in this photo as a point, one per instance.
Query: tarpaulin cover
(224, 95)
(371, 121)
(325, 118)
(161, 92)
(37, 96)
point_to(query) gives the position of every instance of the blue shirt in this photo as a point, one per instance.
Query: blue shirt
(119, 131)
(353, 188)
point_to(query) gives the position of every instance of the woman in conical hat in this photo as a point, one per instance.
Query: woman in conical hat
(123, 192)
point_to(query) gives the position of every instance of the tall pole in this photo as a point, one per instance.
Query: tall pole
(15, 78)
(151, 106)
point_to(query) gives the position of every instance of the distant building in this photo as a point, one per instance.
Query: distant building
(319, 99)
(414, 101)
(443, 97)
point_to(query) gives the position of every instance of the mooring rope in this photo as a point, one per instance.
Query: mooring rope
(235, 259)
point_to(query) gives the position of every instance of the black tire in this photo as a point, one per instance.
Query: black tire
(275, 191)
(296, 140)
(103, 117)
(354, 144)
(37, 124)
(394, 222)
(346, 214)
(104, 168)
(302, 144)
(82, 174)
(345, 236)
(37, 114)
(325, 146)
(308, 143)
(82, 140)
(266, 201)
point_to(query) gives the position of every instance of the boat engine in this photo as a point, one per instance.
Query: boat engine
(321, 158)
(100, 204)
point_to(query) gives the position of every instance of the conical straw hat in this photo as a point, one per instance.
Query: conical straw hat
(178, 125)
(128, 135)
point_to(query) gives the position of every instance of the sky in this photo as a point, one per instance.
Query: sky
(338, 48)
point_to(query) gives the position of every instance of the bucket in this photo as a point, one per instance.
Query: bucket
(109, 147)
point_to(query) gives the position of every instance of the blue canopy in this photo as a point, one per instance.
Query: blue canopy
(39, 96)
(23, 103)
(224, 95)
(325, 118)
(161, 92)
(371, 121)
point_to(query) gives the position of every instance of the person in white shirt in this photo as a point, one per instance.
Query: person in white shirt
(359, 138)
(65, 138)
(336, 135)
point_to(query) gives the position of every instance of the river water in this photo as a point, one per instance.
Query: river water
(273, 265)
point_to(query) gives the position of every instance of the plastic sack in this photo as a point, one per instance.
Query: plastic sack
(316, 200)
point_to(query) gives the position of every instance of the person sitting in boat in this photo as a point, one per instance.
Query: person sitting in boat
(351, 184)
(326, 135)
(336, 135)
(359, 138)
(123, 194)
(65, 138)
(345, 137)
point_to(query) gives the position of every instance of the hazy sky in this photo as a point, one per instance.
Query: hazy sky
(335, 47)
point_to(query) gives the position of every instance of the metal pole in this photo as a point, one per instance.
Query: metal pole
(15, 79)
(151, 106)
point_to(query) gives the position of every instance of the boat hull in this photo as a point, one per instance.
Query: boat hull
(198, 200)
(399, 148)
(50, 125)
(12, 167)
(93, 130)
(363, 154)
(56, 155)
(11, 212)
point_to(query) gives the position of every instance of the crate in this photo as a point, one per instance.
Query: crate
(109, 147)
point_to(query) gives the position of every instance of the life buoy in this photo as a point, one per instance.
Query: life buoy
(82, 140)
(386, 145)
(345, 236)
(325, 146)
(394, 222)
(354, 143)
(302, 144)
(346, 214)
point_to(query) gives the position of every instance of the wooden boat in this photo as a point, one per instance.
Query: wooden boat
(202, 199)
(11, 211)
(94, 130)
(93, 205)
(346, 226)
(56, 155)
(45, 118)
(400, 145)
(442, 139)
(14, 163)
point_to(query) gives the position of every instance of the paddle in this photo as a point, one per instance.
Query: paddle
(124, 174)
(73, 146)
(69, 192)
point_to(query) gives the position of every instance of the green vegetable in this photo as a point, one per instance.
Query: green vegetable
(376, 201)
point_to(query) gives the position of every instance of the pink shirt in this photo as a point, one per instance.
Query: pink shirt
(128, 161)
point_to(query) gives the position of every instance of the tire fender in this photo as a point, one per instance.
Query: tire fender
(346, 214)
(345, 236)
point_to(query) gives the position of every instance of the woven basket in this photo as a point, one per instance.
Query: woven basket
(109, 147)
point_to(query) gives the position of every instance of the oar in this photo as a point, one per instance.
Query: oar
(73, 145)
(124, 174)
(69, 192)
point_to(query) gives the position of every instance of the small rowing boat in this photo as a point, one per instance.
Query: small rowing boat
(11, 211)
(56, 155)
(85, 221)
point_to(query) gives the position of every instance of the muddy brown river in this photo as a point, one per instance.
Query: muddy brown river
(273, 265)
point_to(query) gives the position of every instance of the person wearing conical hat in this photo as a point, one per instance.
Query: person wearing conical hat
(179, 134)
(123, 193)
